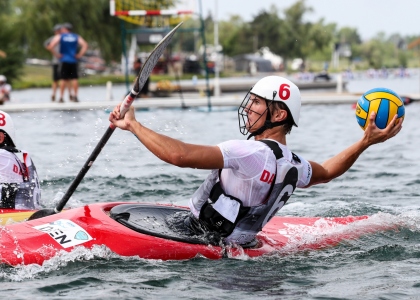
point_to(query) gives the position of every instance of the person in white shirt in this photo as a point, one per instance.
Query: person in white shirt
(5, 89)
(19, 183)
(252, 179)
(55, 62)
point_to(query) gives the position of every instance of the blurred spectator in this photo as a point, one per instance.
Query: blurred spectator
(191, 65)
(69, 57)
(55, 62)
(323, 75)
(5, 90)
(348, 74)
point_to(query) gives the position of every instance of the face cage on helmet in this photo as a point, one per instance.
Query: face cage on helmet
(243, 112)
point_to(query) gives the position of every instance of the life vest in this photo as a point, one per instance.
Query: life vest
(25, 194)
(248, 221)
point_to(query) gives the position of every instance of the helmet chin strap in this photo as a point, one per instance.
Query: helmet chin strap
(267, 125)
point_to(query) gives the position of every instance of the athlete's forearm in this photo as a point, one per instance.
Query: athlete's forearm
(166, 148)
(177, 152)
(340, 163)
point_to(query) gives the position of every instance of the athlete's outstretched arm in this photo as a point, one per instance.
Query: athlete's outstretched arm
(168, 149)
(340, 163)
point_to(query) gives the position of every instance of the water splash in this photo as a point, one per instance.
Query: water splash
(327, 233)
(62, 259)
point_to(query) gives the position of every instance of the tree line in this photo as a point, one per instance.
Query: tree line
(287, 34)
(26, 24)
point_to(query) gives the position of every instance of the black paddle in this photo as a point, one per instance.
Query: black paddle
(145, 72)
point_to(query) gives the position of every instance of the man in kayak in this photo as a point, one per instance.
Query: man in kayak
(19, 182)
(251, 180)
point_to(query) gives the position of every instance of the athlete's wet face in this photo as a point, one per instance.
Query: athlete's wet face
(256, 109)
(252, 113)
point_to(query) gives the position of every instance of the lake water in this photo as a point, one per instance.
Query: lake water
(384, 182)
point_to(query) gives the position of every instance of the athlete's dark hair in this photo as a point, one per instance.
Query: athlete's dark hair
(287, 127)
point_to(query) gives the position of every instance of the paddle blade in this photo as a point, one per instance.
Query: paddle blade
(42, 213)
(147, 69)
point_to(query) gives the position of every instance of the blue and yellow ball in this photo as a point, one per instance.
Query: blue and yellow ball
(385, 102)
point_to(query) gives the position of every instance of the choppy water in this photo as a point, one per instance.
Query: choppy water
(384, 182)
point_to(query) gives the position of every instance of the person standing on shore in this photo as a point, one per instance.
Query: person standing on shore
(55, 62)
(68, 55)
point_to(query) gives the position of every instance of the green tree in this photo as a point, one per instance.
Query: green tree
(320, 37)
(291, 36)
(373, 53)
(228, 32)
(350, 36)
(239, 42)
(296, 31)
(34, 21)
(266, 28)
(402, 59)
(11, 57)
(376, 50)
(235, 36)
(5, 7)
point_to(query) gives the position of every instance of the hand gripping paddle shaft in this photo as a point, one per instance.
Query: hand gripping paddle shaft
(145, 72)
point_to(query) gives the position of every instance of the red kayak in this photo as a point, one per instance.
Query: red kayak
(142, 230)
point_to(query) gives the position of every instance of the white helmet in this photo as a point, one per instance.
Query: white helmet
(271, 88)
(276, 88)
(3, 78)
(7, 125)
